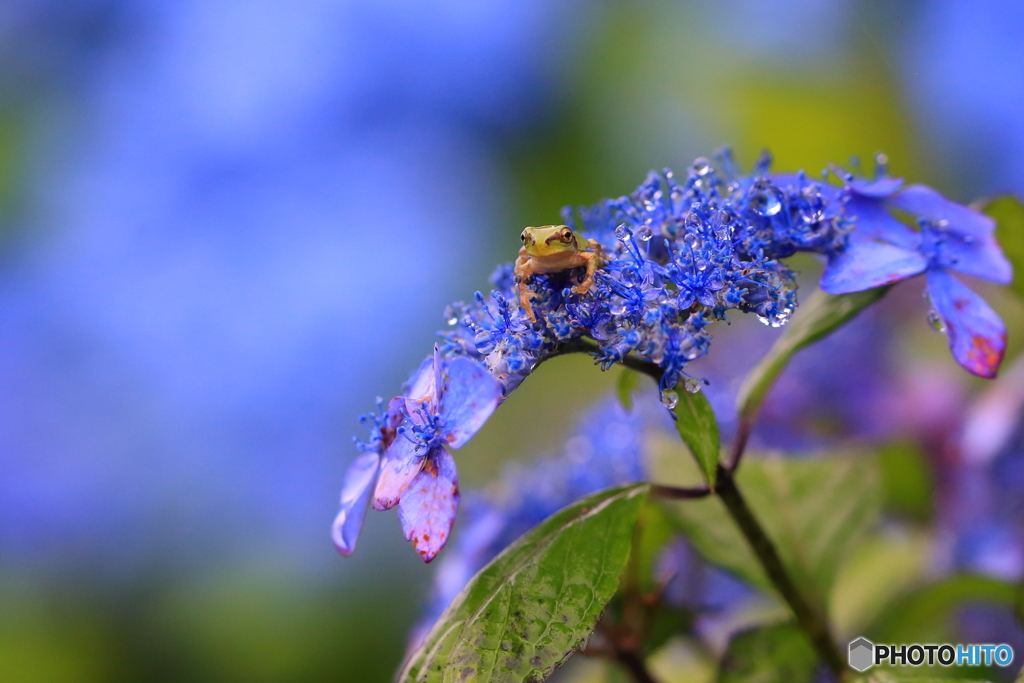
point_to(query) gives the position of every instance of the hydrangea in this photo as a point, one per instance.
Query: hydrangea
(679, 254)
(407, 462)
(950, 238)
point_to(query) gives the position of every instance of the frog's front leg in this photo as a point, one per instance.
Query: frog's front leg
(523, 271)
(594, 259)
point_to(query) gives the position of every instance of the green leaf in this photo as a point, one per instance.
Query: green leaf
(818, 317)
(877, 572)
(769, 654)
(813, 510)
(654, 530)
(924, 614)
(628, 380)
(696, 423)
(524, 613)
(906, 480)
(1008, 212)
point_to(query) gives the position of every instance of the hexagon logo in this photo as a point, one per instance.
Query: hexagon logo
(862, 654)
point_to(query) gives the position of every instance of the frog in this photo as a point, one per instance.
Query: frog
(553, 249)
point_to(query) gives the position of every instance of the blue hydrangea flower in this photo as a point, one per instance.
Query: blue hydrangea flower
(408, 463)
(951, 237)
(679, 256)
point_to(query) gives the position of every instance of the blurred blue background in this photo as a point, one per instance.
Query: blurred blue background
(226, 226)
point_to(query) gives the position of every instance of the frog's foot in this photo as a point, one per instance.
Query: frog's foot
(595, 259)
(584, 287)
(525, 295)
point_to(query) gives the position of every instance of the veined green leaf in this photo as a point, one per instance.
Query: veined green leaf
(813, 511)
(818, 317)
(696, 423)
(524, 613)
(779, 653)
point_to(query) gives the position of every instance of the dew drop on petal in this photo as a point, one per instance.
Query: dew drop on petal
(670, 398)
(692, 385)
(622, 232)
(936, 322)
(644, 234)
(764, 200)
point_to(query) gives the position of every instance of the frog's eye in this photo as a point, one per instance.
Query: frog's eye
(567, 235)
(522, 236)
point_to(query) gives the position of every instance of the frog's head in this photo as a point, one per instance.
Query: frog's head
(549, 240)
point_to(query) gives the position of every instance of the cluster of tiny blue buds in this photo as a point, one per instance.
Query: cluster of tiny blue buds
(678, 256)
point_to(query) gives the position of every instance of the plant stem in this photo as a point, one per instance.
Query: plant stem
(678, 492)
(810, 619)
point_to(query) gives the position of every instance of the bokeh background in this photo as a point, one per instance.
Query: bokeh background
(227, 226)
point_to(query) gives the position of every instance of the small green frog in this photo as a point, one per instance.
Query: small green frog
(552, 249)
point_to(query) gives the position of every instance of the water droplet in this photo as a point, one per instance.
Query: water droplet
(814, 208)
(452, 321)
(881, 165)
(692, 385)
(701, 166)
(617, 309)
(778, 320)
(670, 398)
(935, 320)
(622, 232)
(644, 234)
(764, 199)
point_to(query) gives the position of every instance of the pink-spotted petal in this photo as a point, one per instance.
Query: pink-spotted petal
(421, 383)
(427, 510)
(469, 397)
(355, 498)
(438, 388)
(401, 465)
(867, 264)
(977, 336)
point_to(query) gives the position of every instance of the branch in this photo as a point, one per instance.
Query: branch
(810, 619)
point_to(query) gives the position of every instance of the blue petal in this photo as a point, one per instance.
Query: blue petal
(977, 336)
(355, 496)
(421, 383)
(427, 510)
(401, 464)
(924, 202)
(470, 396)
(980, 257)
(873, 221)
(882, 187)
(866, 264)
